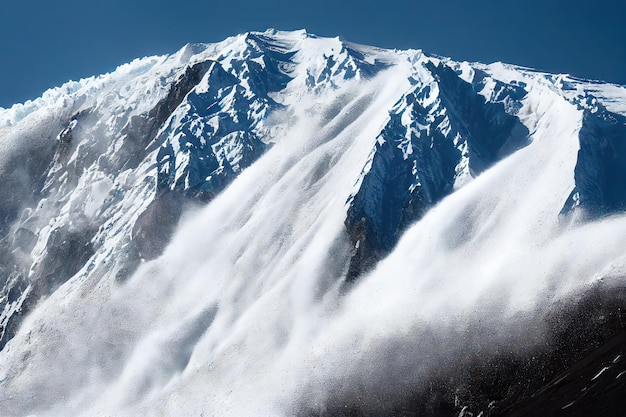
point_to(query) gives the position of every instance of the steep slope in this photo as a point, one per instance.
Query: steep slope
(283, 224)
(442, 132)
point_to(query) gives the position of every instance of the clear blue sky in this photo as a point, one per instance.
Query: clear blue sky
(44, 43)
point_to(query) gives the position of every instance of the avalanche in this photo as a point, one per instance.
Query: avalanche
(282, 224)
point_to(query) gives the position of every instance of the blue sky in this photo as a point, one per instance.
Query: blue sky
(44, 43)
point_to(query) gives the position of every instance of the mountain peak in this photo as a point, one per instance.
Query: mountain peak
(287, 224)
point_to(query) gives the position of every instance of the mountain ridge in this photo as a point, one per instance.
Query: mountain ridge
(303, 170)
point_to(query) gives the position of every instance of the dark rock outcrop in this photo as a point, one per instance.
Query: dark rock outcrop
(214, 139)
(600, 173)
(438, 132)
(575, 371)
(69, 247)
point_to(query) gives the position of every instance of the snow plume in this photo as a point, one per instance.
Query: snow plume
(245, 313)
(475, 276)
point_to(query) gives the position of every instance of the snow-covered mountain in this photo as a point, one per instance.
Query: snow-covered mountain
(282, 224)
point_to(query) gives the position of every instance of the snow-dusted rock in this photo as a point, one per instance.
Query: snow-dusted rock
(176, 235)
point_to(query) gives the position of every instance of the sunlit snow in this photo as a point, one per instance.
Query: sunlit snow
(245, 312)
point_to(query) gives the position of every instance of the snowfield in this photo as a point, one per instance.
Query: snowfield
(281, 224)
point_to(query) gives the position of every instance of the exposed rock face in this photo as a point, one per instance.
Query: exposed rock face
(68, 246)
(81, 154)
(445, 130)
(211, 139)
(601, 166)
(134, 150)
(322, 158)
(575, 372)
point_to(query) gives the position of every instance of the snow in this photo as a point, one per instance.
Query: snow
(243, 314)
(98, 191)
(603, 370)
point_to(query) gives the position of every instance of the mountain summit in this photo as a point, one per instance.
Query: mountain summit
(283, 224)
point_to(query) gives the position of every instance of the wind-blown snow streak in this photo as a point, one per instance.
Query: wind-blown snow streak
(245, 313)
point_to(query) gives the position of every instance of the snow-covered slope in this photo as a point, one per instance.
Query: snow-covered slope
(283, 224)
